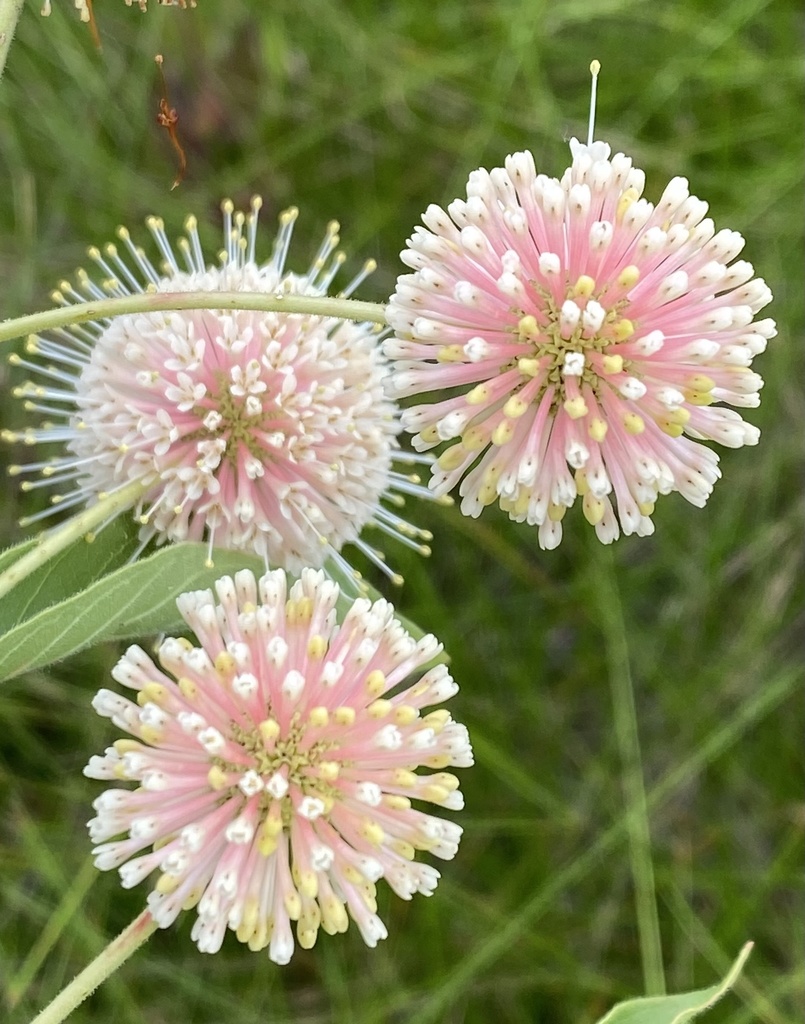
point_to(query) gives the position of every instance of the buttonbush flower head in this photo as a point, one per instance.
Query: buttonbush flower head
(266, 432)
(585, 341)
(276, 765)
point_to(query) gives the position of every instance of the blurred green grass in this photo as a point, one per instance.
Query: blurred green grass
(368, 111)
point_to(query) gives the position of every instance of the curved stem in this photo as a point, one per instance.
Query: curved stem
(10, 11)
(156, 302)
(115, 954)
(74, 528)
(610, 611)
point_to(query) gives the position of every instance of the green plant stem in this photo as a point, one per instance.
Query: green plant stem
(158, 302)
(628, 740)
(77, 526)
(10, 11)
(115, 954)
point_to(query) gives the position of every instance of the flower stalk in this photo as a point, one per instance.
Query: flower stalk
(115, 954)
(627, 736)
(63, 536)
(153, 302)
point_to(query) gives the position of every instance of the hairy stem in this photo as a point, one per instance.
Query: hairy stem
(157, 302)
(77, 526)
(10, 11)
(626, 732)
(115, 954)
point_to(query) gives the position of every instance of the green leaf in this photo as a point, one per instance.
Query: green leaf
(67, 573)
(11, 554)
(676, 1009)
(134, 600)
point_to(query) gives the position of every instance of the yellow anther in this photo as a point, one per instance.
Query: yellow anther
(452, 458)
(375, 683)
(556, 513)
(217, 778)
(670, 428)
(584, 287)
(379, 708)
(479, 395)
(528, 367)
(316, 647)
(293, 904)
(126, 746)
(450, 354)
(150, 734)
(193, 897)
(167, 884)
(269, 730)
(308, 883)
(344, 716)
(436, 794)
(395, 802)
(646, 507)
(187, 688)
(475, 438)
(446, 779)
(612, 364)
(630, 196)
(582, 487)
(633, 423)
(299, 611)
(306, 937)
(576, 407)
(629, 276)
(520, 504)
(437, 719)
(404, 778)
(404, 849)
(699, 397)
(503, 433)
(153, 693)
(438, 761)
(319, 717)
(528, 328)
(487, 493)
(119, 771)
(593, 509)
(333, 916)
(700, 382)
(329, 770)
(679, 415)
(224, 663)
(372, 832)
(623, 329)
(430, 434)
(515, 407)
(404, 714)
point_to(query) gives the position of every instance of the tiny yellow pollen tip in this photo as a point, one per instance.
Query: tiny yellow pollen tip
(595, 67)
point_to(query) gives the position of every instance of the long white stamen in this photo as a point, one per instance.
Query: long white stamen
(595, 67)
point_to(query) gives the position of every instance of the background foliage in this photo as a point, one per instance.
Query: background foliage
(366, 111)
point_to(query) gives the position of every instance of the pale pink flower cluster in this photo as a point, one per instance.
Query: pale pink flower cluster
(583, 339)
(264, 432)
(276, 765)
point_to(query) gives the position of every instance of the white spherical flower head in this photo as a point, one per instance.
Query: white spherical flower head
(264, 432)
(590, 339)
(276, 765)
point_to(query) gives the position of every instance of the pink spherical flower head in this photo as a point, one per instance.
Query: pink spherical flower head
(584, 336)
(276, 765)
(264, 432)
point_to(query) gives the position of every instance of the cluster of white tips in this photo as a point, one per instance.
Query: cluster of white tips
(590, 340)
(276, 765)
(267, 432)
